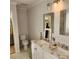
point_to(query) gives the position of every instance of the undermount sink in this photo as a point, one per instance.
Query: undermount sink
(62, 54)
(53, 46)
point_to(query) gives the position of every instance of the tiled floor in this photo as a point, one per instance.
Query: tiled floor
(22, 55)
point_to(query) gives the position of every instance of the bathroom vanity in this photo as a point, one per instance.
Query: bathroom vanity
(45, 48)
(41, 50)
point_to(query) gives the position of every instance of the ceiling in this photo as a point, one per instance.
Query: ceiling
(31, 2)
(25, 1)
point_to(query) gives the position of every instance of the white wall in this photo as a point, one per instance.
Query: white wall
(35, 15)
(22, 20)
(15, 26)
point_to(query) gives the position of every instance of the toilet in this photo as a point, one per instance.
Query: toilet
(24, 41)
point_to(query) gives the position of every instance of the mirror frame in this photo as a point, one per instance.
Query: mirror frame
(51, 26)
(62, 27)
(52, 21)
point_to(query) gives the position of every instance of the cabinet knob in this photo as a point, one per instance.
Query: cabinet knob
(35, 48)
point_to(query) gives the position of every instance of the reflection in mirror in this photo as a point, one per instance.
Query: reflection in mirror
(48, 23)
(64, 22)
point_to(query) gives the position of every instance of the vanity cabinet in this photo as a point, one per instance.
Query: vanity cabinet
(39, 53)
(49, 56)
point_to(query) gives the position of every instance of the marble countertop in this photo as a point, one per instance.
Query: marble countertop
(58, 51)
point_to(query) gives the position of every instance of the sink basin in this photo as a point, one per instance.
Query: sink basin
(42, 43)
(62, 54)
(53, 46)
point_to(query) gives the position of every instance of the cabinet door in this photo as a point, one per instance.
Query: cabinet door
(34, 51)
(49, 56)
(39, 53)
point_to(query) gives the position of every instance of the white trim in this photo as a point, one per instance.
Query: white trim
(15, 27)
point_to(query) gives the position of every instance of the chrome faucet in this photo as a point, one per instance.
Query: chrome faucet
(53, 39)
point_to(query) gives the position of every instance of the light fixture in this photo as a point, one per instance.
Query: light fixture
(56, 1)
(56, 5)
(49, 6)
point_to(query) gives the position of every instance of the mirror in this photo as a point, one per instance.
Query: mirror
(48, 23)
(64, 22)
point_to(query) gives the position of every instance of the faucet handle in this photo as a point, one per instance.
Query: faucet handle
(53, 39)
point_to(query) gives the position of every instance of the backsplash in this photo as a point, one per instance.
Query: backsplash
(63, 46)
